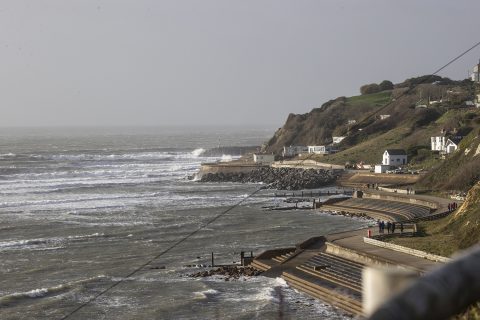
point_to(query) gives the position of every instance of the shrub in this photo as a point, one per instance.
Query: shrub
(386, 85)
(370, 88)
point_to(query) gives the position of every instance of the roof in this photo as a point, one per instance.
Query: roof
(396, 152)
(455, 140)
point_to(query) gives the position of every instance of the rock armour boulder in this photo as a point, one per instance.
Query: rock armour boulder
(277, 178)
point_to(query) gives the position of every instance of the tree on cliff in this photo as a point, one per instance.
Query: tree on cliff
(386, 85)
(370, 88)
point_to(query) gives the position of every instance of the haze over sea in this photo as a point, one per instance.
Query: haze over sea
(81, 208)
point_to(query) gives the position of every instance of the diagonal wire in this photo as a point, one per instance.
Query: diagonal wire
(177, 243)
(205, 224)
(409, 89)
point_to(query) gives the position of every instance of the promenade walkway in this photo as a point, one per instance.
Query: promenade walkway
(329, 268)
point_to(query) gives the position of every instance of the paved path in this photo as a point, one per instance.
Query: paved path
(354, 241)
(331, 287)
(442, 202)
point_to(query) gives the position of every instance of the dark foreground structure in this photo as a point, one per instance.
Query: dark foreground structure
(440, 294)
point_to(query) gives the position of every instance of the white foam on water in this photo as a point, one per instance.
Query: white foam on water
(43, 292)
(43, 243)
(197, 152)
(205, 294)
(7, 155)
(226, 158)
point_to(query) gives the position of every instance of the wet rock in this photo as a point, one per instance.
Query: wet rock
(230, 272)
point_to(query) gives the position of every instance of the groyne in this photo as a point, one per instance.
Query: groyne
(226, 168)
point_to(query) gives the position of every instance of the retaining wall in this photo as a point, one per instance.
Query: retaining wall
(413, 252)
(227, 168)
(395, 190)
(420, 202)
(363, 257)
(306, 164)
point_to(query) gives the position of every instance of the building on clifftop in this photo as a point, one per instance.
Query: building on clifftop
(293, 151)
(319, 149)
(394, 157)
(263, 158)
(475, 77)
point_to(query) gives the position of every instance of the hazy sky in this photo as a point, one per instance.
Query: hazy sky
(244, 62)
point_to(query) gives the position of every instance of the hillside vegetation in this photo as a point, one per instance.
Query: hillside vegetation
(452, 233)
(412, 121)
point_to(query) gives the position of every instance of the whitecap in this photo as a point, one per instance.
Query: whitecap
(43, 292)
(198, 152)
(226, 158)
(205, 294)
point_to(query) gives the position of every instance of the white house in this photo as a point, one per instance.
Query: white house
(262, 158)
(384, 116)
(319, 149)
(477, 100)
(452, 144)
(351, 121)
(475, 77)
(292, 151)
(394, 157)
(338, 139)
(438, 143)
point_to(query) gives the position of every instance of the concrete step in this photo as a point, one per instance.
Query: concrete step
(283, 257)
(341, 259)
(259, 265)
(334, 272)
(353, 285)
(300, 281)
(334, 267)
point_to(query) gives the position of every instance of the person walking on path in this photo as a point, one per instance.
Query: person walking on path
(449, 207)
(389, 225)
(379, 226)
(393, 227)
(401, 227)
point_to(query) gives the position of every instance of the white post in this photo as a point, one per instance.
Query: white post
(379, 284)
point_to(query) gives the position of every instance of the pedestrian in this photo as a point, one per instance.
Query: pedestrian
(389, 225)
(449, 207)
(379, 226)
(382, 226)
(393, 227)
(401, 227)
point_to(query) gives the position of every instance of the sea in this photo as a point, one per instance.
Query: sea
(92, 222)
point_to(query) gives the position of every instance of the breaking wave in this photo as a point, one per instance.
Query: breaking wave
(198, 152)
(17, 297)
(43, 242)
